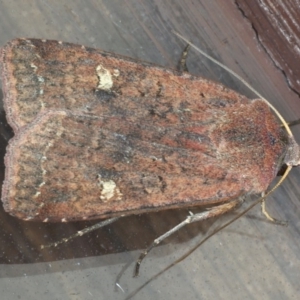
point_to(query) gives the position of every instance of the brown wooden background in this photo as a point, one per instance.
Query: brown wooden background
(252, 259)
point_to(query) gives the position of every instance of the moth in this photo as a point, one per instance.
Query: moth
(98, 135)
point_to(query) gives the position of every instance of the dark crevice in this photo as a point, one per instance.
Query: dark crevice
(266, 50)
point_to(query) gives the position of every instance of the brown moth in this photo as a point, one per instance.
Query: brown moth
(99, 135)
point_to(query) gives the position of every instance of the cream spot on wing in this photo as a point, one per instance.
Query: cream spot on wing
(41, 79)
(37, 194)
(109, 190)
(33, 66)
(43, 183)
(105, 78)
(116, 73)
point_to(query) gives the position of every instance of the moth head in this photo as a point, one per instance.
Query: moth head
(292, 157)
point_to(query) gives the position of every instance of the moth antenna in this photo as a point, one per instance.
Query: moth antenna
(286, 126)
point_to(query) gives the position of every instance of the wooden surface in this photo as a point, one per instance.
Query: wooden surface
(277, 29)
(252, 259)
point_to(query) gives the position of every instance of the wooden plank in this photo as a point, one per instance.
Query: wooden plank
(277, 28)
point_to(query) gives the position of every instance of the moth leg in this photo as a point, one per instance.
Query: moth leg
(268, 216)
(182, 67)
(82, 232)
(210, 213)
